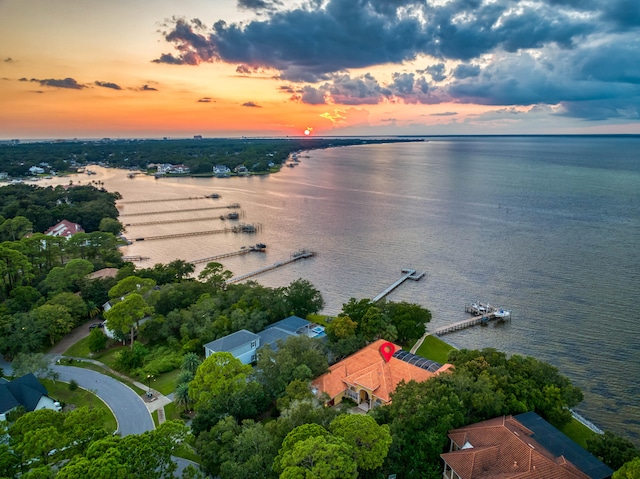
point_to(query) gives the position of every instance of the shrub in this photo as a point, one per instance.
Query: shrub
(73, 385)
(97, 340)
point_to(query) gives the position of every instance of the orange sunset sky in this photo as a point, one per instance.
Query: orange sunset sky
(134, 68)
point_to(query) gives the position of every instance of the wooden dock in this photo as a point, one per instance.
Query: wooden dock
(233, 205)
(135, 202)
(482, 314)
(227, 255)
(242, 228)
(134, 258)
(294, 257)
(409, 274)
(183, 220)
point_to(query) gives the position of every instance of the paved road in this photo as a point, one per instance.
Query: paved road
(129, 409)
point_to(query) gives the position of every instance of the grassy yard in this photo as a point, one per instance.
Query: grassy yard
(79, 398)
(578, 432)
(166, 382)
(435, 349)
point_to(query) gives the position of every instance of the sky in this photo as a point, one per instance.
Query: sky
(230, 68)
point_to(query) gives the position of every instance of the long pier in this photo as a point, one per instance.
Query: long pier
(163, 199)
(183, 220)
(233, 205)
(134, 258)
(244, 228)
(409, 274)
(294, 257)
(258, 248)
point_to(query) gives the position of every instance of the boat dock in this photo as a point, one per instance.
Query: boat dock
(183, 220)
(134, 258)
(243, 228)
(258, 247)
(409, 274)
(162, 199)
(233, 205)
(483, 314)
(294, 257)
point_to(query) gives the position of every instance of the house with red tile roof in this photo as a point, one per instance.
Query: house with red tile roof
(64, 228)
(504, 447)
(368, 377)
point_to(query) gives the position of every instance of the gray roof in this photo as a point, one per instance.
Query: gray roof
(271, 336)
(291, 324)
(558, 444)
(24, 391)
(232, 341)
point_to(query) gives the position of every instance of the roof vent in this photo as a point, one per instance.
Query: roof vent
(515, 464)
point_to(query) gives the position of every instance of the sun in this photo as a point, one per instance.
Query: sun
(308, 131)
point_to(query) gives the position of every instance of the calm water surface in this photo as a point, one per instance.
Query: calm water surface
(546, 227)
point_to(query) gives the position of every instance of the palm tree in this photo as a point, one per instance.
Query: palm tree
(181, 396)
(190, 362)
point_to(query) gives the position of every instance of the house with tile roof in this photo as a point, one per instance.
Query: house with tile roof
(65, 229)
(25, 391)
(504, 447)
(368, 378)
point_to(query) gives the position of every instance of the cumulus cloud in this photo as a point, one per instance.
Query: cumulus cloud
(251, 104)
(68, 83)
(259, 5)
(506, 52)
(104, 84)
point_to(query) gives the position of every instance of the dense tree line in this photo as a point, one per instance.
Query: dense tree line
(199, 155)
(43, 279)
(44, 207)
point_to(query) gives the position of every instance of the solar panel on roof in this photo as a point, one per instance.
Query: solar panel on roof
(419, 361)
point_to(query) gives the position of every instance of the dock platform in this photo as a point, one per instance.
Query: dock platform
(408, 274)
(294, 257)
(258, 247)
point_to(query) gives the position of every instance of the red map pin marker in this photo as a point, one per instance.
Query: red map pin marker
(387, 349)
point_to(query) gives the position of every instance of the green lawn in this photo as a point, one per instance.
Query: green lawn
(79, 349)
(435, 349)
(79, 398)
(166, 382)
(578, 432)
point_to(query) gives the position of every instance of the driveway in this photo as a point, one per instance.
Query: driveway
(128, 408)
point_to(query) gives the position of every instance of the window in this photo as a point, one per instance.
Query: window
(253, 358)
(254, 344)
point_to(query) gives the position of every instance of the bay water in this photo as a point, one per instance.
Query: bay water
(548, 227)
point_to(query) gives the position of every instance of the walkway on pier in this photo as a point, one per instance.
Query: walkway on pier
(234, 205)
(227, 255)
(134, 258)
(234, 229)
(294, 257)
(467, 323)
(184, 220)
(163, 199)
(409, 274)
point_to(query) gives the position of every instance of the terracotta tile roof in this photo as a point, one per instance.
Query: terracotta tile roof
(368, 369)
(103, 273)
(64, 228)
(503, 448)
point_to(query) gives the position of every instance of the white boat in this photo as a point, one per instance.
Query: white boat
(502, 313)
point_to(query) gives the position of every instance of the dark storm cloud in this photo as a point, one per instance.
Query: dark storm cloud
(251, 104)
(437, 72)
(306, 44)
(465, 70)
(508, 52)
(69, 83)
(258, 5)
(105, 84)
